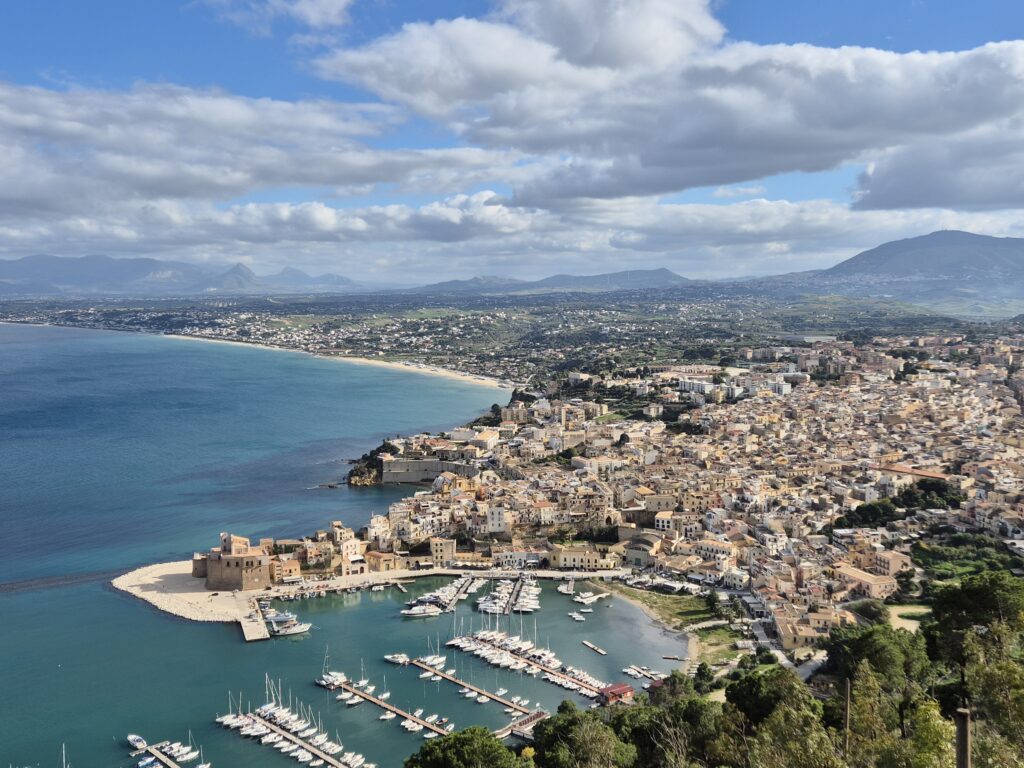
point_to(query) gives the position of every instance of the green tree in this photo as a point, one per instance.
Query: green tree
(576, 739)
(874, 611)
(704, 679)
(758, 694)
(872, 720)
(899, 659)
(793, 737)
(473, 747)
(979, 601)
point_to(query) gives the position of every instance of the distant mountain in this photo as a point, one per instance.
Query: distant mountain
(55, 275)
(290, 277)
(103, 275)
(945, 254)
(611, 281)
(238, 279)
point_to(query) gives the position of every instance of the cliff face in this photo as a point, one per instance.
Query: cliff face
(368, 468)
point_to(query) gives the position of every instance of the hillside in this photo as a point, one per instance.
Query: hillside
(942, 254)
(611, 281)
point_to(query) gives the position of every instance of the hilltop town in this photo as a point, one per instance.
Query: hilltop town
(802, 482)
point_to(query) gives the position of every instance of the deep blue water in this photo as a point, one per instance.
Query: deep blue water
(118, 450)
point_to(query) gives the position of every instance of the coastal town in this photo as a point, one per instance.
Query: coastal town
(795, 487)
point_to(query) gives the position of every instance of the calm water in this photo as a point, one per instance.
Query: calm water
(117, 450)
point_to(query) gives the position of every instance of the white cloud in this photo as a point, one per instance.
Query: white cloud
(728, 192)
(545, 78)
(258, 15)
(580, 113)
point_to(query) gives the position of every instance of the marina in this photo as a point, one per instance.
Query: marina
(349, 688)
(156, 752)
(469, 686)
(520, 655)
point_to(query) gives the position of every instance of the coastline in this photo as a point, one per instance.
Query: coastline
(407, 366)
(692, 640)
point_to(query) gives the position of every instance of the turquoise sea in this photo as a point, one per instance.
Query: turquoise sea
(120, 449)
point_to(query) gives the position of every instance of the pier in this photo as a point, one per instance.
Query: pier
(523, 727)
(550, 670)
(451, 604)
(479, 691)
(154, 750)
(389, 707)
(594, 648)
(254, 629)
(302, 743)
(516, 590)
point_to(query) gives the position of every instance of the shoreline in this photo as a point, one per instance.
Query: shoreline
(425, 369)
(692, 640)
(410, 367)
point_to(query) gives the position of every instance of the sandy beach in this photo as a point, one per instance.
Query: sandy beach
(409, 367)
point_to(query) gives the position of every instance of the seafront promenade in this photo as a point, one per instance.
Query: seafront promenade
(171, 588)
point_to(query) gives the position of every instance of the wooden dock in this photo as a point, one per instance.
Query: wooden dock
(286, 734)
(550, 670)
(594, 648)
(389, 707)
(154, 750)
(479, 691)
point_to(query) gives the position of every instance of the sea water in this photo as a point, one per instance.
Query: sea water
(118, 450)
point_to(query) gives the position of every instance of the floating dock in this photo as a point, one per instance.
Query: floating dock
(286, 734)
(514, 597)
(389, 707)
(595, 648)
(479, 691)
(451, 604)
(154, 750)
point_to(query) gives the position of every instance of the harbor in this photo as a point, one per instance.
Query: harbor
(362, 625)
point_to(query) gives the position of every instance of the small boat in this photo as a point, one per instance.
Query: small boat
(370, 688)
(289, 628)
(387, 716)
(426, 675)
(344, 696)
(501, 692)
(146, 761)
(430, 735)
(418, 712)
(385, 696)
(136, 741)
(481, 699)
(355, 700)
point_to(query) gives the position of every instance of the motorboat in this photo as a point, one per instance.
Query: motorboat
(136, 741)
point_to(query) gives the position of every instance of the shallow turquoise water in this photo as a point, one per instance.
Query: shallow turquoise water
(119, 449)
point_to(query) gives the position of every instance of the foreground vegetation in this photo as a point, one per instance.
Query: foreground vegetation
(904, 689)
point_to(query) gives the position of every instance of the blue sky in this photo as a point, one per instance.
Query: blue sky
(530, 138)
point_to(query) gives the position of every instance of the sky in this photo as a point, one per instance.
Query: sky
(410, 141)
